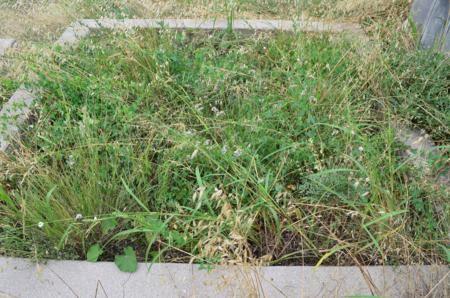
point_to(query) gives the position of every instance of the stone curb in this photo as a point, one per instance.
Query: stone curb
(5, 44)
(81, 28)
(22, 278)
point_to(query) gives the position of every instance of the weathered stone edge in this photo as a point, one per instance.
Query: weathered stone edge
(22, 278)
(81, 28)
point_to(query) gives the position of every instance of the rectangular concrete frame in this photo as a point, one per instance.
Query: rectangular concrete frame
(22, 278)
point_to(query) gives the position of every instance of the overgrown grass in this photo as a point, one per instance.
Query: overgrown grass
(9, 81)
(223, 148)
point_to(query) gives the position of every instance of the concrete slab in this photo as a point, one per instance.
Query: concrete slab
(5, 44)
(21, 278)
(73, 34)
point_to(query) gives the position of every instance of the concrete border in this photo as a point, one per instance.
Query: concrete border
(22, 278)
(81, 28)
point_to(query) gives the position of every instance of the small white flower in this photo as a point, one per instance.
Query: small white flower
(199, 107)
(360, 148)
(215, 110)
(353, 132)
(78, 216)
(70, 161)
(356, 184)
(95, 218)
(237, 153)
(207, 142)
(40, 225)
(224, 149)
(367, 179)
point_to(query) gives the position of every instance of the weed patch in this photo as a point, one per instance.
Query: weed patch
(224, 148)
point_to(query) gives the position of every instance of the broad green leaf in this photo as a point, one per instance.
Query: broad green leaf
(94, 252)
(128, 261)
(108, 224)
(154, 224)
(176, 238)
